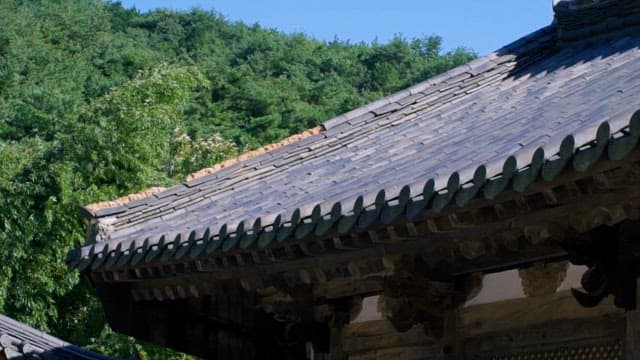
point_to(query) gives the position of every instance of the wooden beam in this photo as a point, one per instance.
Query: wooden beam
(505, 316)
(424, 244)
(632, 336)
(500, 327)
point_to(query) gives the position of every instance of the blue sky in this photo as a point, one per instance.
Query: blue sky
(482, 25)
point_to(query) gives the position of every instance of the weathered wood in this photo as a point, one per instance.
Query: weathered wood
(380, 334)
(404, 353)
(632, 336)
(453, 339)
(432, 241)
(543, 322)
(590, 338)
(337, 350)
(543, 279)
(619, 191)
(346, 287)
(529, 312)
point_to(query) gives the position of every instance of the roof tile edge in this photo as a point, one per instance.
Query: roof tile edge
(610, 146)
(92, 209)
(96, 207)
(253, 153)
(109, 207)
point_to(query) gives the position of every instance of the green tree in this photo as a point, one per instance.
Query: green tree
(120, 144)
(97, 101)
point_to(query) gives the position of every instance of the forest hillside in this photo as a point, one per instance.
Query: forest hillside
(97, 101)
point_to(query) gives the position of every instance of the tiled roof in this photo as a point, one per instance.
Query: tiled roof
(19, 341)
(524, 112)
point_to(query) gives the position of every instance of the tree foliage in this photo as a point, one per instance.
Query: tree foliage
(97, 101)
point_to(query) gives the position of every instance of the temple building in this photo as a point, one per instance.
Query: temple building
(491, 212)
(22, 342)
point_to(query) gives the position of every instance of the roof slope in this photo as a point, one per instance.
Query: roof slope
(19, 341)
(502, 115)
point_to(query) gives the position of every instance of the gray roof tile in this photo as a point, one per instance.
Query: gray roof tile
(528, 96)
(19, 341)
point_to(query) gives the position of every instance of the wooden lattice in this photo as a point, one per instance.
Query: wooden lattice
(597, 351)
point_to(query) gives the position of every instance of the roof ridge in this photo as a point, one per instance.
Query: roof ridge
(588, 19)
(253, 153)
(93, 208)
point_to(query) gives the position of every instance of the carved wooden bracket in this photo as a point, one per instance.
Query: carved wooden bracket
(416, 294)
(279, 304)
(613, 257)
(543, 279)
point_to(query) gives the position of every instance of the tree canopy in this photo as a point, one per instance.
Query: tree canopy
(97, 100)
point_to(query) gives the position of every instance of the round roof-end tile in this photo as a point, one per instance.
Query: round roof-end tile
(391, 212)
(250, 237)
(99, 258)
(336, 210)
(308, 224)
(416, 206)
(346, 222)
(87, 260)
(126, 254)
(404, 195)
(453, 183)
(155, 249)
(326, 222)
(587, 157)
(466, 193)
(428, 189)
(441, 200)
(358, 205)
(216, 241)
(185, 246)
(73, 258)
(234, 238)
(113, 256)
(268, 235)
(552, 168)
(619, 147)
(201, 245)
(523, 178)
(171, 247)
(371, 213)
(305, 228)
(498, 184)
(286, 229)
(140, 253)
(380, 199)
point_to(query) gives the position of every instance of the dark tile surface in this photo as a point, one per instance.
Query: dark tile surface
(528, 95)
(19, 341)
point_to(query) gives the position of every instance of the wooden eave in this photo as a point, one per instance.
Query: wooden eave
(513, 230)
(500, 123)
(20, 341)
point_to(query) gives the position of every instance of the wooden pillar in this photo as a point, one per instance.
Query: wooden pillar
(337, 351)
(453, 348)
(632, 341)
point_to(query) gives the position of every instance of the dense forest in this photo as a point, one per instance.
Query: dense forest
(97, 101)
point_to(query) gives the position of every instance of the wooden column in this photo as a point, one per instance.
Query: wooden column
(453, 348)
(632, 341)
